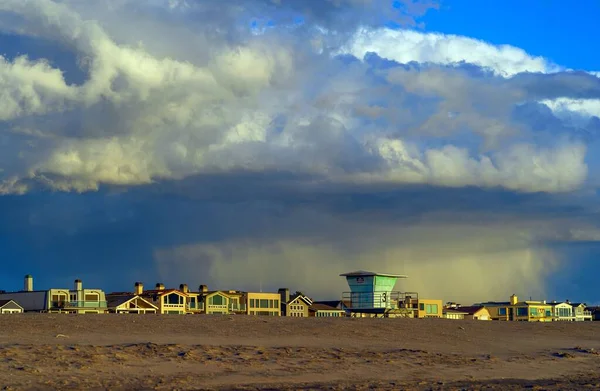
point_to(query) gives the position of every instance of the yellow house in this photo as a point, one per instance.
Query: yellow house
(215, 302)
(192, 301)
(77, 300)
(129, 304)
(221, 302)
(515, 310)
(168, 301)
(429, 308)
(263, 303)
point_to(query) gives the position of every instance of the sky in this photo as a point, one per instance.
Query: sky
(265, 144)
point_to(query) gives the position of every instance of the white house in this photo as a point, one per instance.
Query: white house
(10, 307)
(562, 311)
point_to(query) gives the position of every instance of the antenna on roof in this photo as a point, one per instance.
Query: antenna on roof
(260, 286)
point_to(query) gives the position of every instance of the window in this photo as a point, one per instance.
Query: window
(431, 309)
(263, 303)
(422, 307)
(522, 311)
(91, 297)
(217, 300)
(173, 299)
(564, 312)
(502, 311)
(252, 304)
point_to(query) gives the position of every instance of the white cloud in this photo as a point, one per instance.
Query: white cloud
(574, 109)
(148, 116)
(405, 46)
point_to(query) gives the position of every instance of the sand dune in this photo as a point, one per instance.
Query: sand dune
(161, 352)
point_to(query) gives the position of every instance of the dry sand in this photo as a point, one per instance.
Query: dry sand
(195, 352)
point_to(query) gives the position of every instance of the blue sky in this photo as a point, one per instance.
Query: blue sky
(564, 32)
(169, 142)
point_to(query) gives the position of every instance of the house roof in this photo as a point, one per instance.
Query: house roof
(471, 310)
(322, 307)
(162, 292)
(494, 303)
(334, 303)
(364, 273)
(5, 302)
(113, 301)
(305, 299)
(577, 304)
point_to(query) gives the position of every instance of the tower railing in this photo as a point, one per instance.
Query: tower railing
(380, 301)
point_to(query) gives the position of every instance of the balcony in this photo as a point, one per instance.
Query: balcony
(234, 307)
(77, 304)
(380, 301)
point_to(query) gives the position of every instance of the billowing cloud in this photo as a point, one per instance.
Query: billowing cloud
(407, 46)
(241, 118)
(266, 103)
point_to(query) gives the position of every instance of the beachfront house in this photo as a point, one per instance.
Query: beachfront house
(453, 313)
(476, 312)
(595, 311)
(10, 307)
(215, 303)
(296, 305)
(262, 303)
(581, 313)
(562, 311)
(168, 301)
(430, 308)
(325, 311)
(127, 303)
(221, 302)
(515, 310)
(58, 300)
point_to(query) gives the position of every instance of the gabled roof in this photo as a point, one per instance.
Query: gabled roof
(3, 303)
(577, 304)
(162, 292)
(212, 293)
(305, 299)
(364, 273)
(471, 310)
(114, 301)
(555, 303)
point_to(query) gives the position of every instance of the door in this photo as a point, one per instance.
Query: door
(511, 314)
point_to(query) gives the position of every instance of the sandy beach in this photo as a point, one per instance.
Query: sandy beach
(154, 352)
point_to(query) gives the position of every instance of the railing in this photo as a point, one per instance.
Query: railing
(173, 305)
(69, 304)
(237, 307)
(380, 301)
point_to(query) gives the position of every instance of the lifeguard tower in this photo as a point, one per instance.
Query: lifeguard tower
(373, 293)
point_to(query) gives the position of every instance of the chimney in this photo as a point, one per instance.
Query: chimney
(285, 295)
(160, 286)
(28, 285)
(203, 288)
(184, 288)
(78, 285)
(514, 299)
(139, 288)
